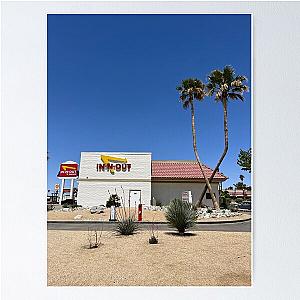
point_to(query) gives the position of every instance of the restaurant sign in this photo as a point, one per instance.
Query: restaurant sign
(113, 164)
(69, 170)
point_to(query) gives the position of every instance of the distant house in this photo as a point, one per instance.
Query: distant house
(239, 193)
(66, 193)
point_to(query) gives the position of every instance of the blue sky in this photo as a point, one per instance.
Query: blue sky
(112, 86)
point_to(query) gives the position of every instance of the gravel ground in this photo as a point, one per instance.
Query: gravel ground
(148, 216)
(202, 259)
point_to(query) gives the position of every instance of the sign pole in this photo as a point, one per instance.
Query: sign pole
(67, 170)
(72, 188)
(61, 190)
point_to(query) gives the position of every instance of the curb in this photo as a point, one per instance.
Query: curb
(225, 221)
(149, 223)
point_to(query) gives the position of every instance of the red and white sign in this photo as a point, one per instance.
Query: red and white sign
(68, 170)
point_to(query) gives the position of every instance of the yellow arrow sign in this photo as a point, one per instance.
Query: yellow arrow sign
(106, 159)
(68, 168)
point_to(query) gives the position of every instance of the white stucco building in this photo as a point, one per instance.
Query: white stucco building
(138, 179)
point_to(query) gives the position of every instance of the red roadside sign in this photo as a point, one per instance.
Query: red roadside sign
(68, 170)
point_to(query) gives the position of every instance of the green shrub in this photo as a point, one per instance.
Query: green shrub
(225, 199)
(114, 199)
(158, 203)
(127, 226)
(181, 215)
(194, 207)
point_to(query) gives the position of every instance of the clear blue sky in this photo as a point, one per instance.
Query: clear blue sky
(112, 86)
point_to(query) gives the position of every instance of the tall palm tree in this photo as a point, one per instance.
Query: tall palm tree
(194, 89)
(225, 85)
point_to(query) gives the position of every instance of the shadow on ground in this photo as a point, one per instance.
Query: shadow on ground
(178, 234)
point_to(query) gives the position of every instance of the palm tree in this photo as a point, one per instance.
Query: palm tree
(225, 85)
(190, 90)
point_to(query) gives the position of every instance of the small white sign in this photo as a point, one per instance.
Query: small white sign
(187, 196)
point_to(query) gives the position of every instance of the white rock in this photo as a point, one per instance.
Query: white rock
(78, 217)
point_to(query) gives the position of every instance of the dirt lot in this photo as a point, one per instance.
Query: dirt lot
(206, 258)
(148, 216)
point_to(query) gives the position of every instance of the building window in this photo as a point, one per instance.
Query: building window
(208, 196)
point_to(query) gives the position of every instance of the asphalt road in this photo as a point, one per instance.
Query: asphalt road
(230, 227)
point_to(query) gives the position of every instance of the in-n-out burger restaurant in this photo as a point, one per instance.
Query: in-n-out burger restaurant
(138, 179)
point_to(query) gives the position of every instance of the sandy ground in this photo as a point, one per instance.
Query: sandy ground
(206, 258)
(148, 216)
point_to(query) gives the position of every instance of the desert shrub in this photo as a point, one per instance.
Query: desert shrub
(153, 233)
(126, 226)
(50, 207)
(126, 220)
(209, 210)
(94, 238)
(114, 199)
(158, 203)
(194, 207)
(181, 215)
(153, 240)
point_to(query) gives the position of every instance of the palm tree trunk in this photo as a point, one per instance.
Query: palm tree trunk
(243, 189)
(224, 102)
(214, 200)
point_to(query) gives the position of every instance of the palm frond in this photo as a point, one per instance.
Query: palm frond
(191, 89)
(239, 89)
(225, 84)
(235, 96)
(186, 104)
(215, 77)
(228, 74)
(241, 78)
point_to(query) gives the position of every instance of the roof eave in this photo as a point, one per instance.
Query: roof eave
(158, 179)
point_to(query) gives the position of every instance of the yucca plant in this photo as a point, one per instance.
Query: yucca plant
(181, 215)
(127, 226)
(126, 218)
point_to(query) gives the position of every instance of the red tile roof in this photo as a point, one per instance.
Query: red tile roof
(177, 169)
